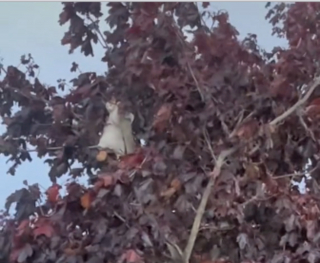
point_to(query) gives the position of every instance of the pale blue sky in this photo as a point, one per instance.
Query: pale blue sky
(32, 27)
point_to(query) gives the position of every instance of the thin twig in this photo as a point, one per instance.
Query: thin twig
(215, 228)
(104, 44)
(300, 102)
(3, 69)
(289, 175)
(305, 126)
(206, 137)
(61, 147)
(195, 81)
(217, 170)
(179, 34)
(294, 174)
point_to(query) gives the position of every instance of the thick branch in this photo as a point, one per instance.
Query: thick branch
(203, 203)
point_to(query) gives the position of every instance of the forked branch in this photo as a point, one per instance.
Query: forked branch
(217, 170)
(287, 113)
(201, 209)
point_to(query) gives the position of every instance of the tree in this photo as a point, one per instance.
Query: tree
(227, 127)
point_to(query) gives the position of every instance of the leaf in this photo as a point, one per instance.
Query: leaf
(131, 161)
(315, 102)
(53, 193)
(168, 193)
(102, 156)
(175, 186)
(107, 179)
(311, 228)
(131, 256)
(98, 185)
(72, 251)
(64, 17)
(86, 200)
(45, 229)
(162, 117)
(252, 171)
(179, 152)
(25, 203)
(21, 255)
(313, 109)
(205, 4)
(23, 226)
(94, 259)
(76, 172)
(246, 130)
(74, 67)
(242, 240)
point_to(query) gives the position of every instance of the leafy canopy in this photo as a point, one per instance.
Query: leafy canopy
(227, 128)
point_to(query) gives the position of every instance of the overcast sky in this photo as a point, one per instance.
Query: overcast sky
(32, 27)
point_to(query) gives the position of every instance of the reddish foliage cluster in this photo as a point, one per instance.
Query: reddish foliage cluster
(227, 127)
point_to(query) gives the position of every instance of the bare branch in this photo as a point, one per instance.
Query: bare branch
(204, 200)
(300, 102)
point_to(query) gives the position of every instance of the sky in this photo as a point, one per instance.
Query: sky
(32, 27)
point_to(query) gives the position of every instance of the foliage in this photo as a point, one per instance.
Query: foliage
(227, 126)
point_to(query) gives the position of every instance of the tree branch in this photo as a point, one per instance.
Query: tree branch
(300, 102)
(217, 170)
(200, 211)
